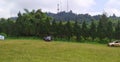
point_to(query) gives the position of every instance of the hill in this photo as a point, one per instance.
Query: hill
(70, 16)
(40, 51)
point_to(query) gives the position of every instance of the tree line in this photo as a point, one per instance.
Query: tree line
(38, 24)
(70, 16)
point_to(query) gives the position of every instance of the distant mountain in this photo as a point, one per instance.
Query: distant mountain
(70, 16)
(13, 18)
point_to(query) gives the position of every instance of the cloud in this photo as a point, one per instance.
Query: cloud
(83, 3)
(112, 7)
(12, 7)
(81, 6)
(113, 4)
(5, 8)
(4, 13)
(111, 11)
(94, 13)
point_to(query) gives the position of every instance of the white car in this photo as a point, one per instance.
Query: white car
(114, 43)
(2, 37)
(47, 38)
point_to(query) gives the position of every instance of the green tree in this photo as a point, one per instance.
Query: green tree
(19, 25)
(34, 23)
(102, 28)
(6, 26)
(92, 30)
(84, 30)
(2, 22)
(47, 26)
(54, 28)
(60, 30)
(77, 31)
(100, 31)
(68, 30)
(110, 31)
(117, 31)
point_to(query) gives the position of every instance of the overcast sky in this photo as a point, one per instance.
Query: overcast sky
(10, 8)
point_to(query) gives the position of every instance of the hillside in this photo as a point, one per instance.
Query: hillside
(70, 16)
(40, 51)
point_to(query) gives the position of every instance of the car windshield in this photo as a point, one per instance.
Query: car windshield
(116, 42)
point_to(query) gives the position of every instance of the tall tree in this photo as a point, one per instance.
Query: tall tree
(77, 31)
(84, 30)
(117, 31)
(34, 23)
(109, 30)
(2, 22)
(54, 28)
(60, 30)
(102, 27)
(92, 30)
(68, 30)
(47, 26)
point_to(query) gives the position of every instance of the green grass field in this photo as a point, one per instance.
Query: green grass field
(40, 51)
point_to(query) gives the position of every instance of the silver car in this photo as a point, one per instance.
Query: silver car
(114, 43)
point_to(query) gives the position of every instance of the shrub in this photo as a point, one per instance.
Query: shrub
(5, 35)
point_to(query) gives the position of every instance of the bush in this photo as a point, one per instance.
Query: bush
(3, 34)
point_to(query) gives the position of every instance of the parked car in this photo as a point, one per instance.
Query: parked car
(114, 43)
(47, 38)
(2, 37)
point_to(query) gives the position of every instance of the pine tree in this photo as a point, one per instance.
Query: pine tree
(84, 30)
(68, 30)
(100, 31)
(109, 31)
(60, 30)
(47, 26)
(77, 31)
(54, 28)
(92, 30)
(117, 31)
(102, 27)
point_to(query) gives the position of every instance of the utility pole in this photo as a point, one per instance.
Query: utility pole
(58, 9)
(67, 6)
(59, 6)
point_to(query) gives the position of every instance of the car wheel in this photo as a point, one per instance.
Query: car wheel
(112, 45)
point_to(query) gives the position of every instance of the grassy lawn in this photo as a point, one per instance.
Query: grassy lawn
(40, 51)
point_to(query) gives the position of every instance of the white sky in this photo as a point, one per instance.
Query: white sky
(10, 8)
